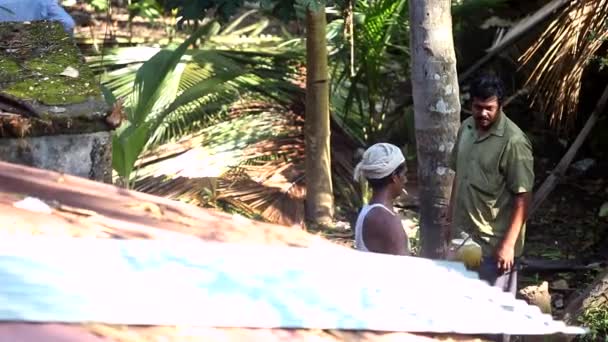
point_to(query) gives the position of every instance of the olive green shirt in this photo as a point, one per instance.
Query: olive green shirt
(491, 169)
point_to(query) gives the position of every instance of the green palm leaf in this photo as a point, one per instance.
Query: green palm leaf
(155, 82)
(177, 92)
(230, 114)
(379, 32)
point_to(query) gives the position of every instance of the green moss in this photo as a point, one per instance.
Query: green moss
(54, 90)
(31, 71)
(52, 64)
(8, 68)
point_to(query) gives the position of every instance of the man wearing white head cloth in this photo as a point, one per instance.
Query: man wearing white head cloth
(378, 228)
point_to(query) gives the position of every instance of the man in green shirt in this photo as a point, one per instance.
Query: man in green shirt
(492, 189)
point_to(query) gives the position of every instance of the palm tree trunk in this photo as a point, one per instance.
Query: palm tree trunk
(319, 192)
(437, 113)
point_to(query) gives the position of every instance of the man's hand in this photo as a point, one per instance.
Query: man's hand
(505, 254)
(506, 249)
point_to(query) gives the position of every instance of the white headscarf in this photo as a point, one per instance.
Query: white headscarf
(379, 161)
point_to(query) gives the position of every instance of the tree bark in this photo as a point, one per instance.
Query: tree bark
(319, 190)
(437, 114)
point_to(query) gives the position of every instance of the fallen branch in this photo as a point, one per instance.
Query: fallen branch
(558, 172)
(541, 265)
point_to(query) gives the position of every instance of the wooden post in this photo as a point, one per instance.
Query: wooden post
(319, 188)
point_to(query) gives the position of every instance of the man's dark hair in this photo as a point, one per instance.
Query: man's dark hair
(485, 86)
(379, 184)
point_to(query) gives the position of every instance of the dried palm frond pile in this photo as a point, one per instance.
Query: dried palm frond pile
(251, 162)
(269, 180)
(559, 58)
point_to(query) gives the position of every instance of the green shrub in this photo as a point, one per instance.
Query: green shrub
(596, 319)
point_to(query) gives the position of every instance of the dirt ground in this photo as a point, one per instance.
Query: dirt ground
(568, 227)
(95, 30)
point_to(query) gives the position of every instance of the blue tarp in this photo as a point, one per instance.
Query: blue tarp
(34, 10)
(154, 282)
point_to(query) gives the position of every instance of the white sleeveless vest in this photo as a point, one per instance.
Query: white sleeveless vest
(359, 243)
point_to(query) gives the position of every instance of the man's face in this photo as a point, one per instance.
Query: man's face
(485, 112)
(399, 180)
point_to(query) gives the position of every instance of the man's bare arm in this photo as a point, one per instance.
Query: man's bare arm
(506, 249)
(397, 239)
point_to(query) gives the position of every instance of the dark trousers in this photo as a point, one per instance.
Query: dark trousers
(488, 271)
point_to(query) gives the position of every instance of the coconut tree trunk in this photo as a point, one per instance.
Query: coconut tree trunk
(319, 191)
(437, 114)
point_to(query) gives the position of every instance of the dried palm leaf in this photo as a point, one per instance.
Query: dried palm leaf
(260, 177)
(282, 203)
(559, 58)
(273, 183)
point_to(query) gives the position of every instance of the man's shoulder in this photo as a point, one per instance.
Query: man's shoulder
(380, 217)
(470, 121)
(514, 133)
(379, 214)
(466, 123)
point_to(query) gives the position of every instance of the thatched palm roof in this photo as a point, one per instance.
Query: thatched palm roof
(561, 55)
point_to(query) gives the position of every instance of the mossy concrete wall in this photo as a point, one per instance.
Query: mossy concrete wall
(85, 155)
(41, 67)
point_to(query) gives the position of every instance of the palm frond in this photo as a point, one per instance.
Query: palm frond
(256, 155)
(379, 24)
(275, 192)
(238, 62)
(361, 100)
(560, 56)
(247, 155)
(238, 143)
(155, 86)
